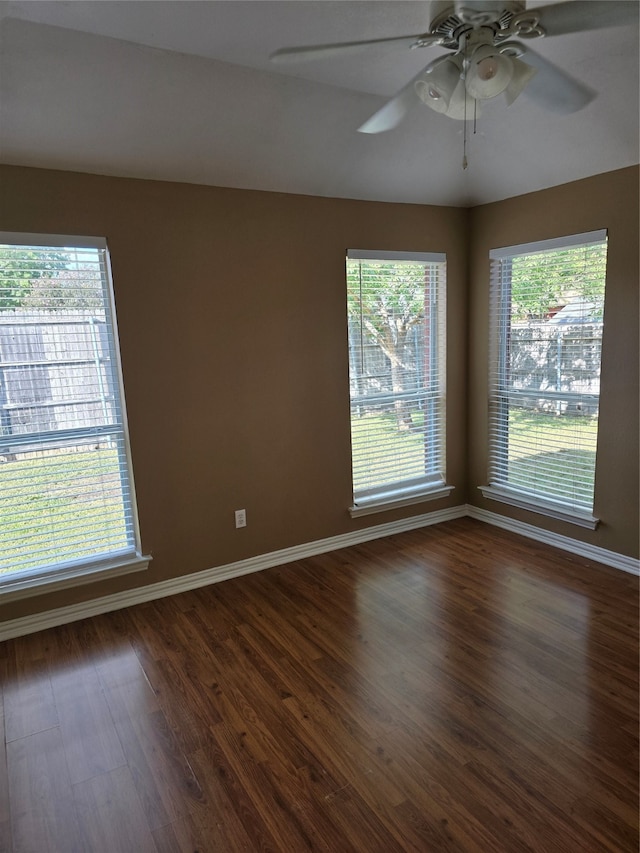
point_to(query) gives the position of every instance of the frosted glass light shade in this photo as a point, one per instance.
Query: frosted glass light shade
(522, 73)
(437, 85)
(489, 73)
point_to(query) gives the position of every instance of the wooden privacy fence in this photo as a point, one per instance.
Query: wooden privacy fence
(55, 373)
(558, 358)
(370, 369)
(542, 357)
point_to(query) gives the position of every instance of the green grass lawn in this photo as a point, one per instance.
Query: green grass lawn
(550, 452)
(384, 454)
(537, 438)
(54, 506)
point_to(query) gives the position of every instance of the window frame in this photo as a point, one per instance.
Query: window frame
(499, 393)
(429, 486)
(75, 572)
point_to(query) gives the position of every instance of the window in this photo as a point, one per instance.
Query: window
(547, 316)
(396, 312)
(67, 509)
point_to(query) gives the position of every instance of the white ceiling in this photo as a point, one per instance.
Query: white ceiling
(184, 91)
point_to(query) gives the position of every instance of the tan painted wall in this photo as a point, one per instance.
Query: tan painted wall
(232, 313)
(606, 201)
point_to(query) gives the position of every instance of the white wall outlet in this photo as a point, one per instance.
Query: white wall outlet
(241, 518)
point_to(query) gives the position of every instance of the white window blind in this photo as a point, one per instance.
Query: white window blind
(66, 492)
(396, 310)
(547, 306)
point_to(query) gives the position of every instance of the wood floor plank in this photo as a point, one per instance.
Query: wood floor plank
(201, 832)
(162, 775)
(226, 796)
(452, 688)
(263, 610)
(281, 816)
(29, 704)
(91, 743)
(43, 815)
(6, 844)
(173, 695)
(110, 814)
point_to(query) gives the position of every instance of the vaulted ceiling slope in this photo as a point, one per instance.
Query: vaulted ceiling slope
(185, 91)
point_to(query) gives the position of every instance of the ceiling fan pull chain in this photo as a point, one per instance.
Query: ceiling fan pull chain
(463, 73)
(465, 162)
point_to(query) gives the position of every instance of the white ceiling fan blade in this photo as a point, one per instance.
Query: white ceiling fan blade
(392, 113)
(321, 51)
(581, 15)
(552, 87)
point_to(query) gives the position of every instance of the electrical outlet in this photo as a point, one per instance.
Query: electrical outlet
(241, 518)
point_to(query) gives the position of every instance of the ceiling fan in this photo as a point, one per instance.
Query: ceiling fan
(485, 58)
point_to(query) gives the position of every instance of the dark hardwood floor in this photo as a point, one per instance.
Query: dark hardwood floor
(452, 688)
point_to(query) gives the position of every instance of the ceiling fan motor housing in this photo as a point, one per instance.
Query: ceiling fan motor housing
(451, 21)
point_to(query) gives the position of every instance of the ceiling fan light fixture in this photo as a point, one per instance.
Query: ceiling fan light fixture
(522, 73)
(438, 83)
(489, 73)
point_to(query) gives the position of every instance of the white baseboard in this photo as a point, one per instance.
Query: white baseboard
(74, 612)
(105, 604)
(591, 552)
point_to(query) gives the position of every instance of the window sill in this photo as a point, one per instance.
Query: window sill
(384, 502)
(542, 507)
(26, 584)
